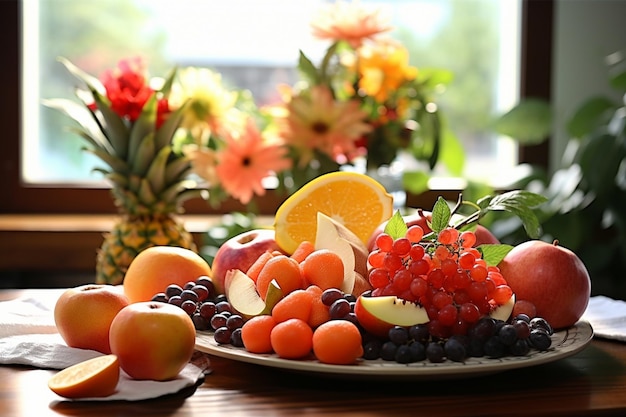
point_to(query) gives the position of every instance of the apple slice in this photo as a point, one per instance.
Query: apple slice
(379, 314)
(503, 312)
(336, 237)
(243, 297)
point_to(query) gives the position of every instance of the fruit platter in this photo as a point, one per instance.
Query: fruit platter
(564, 344)
(342, 286)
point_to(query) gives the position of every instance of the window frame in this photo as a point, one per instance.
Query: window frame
(536, 52)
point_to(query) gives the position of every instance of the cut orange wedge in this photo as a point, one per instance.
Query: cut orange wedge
(357, 201)
(97, 377)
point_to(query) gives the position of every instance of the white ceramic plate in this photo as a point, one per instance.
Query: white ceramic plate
(564, 343)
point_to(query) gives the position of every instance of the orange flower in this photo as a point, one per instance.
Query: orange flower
(318, 121)
(384, 67)
(348, 22)
(246, 160)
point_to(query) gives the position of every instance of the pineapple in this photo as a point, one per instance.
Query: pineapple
(149, 179)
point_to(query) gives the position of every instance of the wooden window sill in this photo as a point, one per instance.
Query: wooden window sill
(65, 242)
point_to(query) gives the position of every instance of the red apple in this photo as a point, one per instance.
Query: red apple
(421, 218)
(551, 277)
(153, 341)
(240, 252)
(83, 315)
(379, 314)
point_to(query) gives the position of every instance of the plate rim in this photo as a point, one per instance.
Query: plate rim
(562, 346)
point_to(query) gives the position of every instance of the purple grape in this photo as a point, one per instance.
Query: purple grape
(339, 309)
(222, 335)
(172, 290)
(208, 309)
(188, 307)
(331, 295)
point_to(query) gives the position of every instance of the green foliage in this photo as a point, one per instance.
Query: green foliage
(230, 226)
(519, 203)
(586, 207)
(529, 122)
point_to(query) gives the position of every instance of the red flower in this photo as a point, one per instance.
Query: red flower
(127, 87)
(163, 111)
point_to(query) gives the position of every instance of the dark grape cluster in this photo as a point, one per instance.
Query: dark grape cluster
(208, 309)
(488, 337)
(340, 305)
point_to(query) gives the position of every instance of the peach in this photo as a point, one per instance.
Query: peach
(152, 340)
(83, 315)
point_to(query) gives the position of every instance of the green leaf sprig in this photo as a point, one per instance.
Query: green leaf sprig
(517, 202)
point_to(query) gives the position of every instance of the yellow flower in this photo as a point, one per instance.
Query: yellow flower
(348, 22)
(210, 102)
(317, 121)
(383, 68)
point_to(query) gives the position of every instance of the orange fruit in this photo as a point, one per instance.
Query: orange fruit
(295, 305)
(155, 268)
(97, 377)
(319, 311)
(357, 201)
(292, 339)
(255, 268)
(284, 270)
(323, 268)
(255, 334)
(337, 342)
(304, 249)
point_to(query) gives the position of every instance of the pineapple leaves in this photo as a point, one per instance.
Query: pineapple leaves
(115, 163)
(176, 169)
(143, 156)
(111, 126)
(92, 82)
(165, 133)
(145, 194)
(144, 126)
(156, 172)
(114, 127)
(85, 118)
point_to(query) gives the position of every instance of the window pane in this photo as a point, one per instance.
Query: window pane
(255, 46)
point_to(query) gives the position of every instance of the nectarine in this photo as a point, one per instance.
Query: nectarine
(152, 340)
(83, 315)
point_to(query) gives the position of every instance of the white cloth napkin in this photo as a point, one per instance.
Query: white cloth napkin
(28, 336)
(607, 317)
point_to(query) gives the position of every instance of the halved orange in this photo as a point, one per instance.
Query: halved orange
(96, 377)
(357, 201)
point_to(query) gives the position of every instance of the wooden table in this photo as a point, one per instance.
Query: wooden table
(592, 382)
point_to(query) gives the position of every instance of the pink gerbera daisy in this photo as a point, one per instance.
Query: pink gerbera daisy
(348, 22)
(319, 122)
(246, 159)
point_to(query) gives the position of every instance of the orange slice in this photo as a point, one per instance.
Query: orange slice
(355, 200)
(97, 377)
